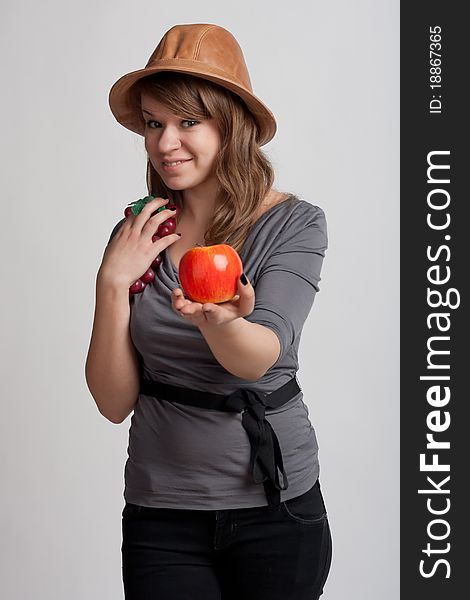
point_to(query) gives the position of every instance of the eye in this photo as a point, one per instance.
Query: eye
(148, 124)
(185, 123)
(190, 123)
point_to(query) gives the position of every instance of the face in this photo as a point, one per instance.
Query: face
(170, 138)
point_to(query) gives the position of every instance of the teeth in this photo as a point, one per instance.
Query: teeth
(172, 164)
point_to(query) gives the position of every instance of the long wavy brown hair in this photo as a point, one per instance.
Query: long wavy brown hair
(244, 173)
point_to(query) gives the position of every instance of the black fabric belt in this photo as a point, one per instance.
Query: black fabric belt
(266, 462)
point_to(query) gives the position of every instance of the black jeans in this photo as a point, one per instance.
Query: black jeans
(236, 554)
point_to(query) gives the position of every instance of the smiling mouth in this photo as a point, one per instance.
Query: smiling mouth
(175, 163)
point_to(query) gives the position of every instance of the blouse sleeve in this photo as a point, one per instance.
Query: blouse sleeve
(288, 281)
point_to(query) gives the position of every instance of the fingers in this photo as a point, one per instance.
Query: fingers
(246, 300)
(159, 245)
(215, 314)
(147, 225)
(186, 309)
(209, 308)
(156, 220)
(143, 217)
(178, 300)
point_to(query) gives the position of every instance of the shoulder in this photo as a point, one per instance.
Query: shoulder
(308, 211)
(306, 229)
(296, 219)
(311, 216)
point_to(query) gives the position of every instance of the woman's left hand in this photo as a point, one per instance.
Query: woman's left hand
(215, 314)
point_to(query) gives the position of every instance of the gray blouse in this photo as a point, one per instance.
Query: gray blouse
(186, 457)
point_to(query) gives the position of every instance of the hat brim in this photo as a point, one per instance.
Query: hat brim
(123, 110)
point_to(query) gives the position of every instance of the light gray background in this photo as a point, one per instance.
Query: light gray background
(330, 73)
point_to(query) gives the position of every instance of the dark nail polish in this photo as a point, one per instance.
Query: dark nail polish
(243, 279)
(178, 234)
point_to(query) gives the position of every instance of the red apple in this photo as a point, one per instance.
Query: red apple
(210, 273)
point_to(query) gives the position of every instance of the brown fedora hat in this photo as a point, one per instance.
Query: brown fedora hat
(207, 51)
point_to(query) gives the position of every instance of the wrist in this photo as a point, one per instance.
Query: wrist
(107, 283)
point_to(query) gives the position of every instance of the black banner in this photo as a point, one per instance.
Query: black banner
(435, 241)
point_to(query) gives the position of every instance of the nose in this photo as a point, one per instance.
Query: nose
(168, 140)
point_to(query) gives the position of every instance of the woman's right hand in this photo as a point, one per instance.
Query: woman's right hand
(131, 251)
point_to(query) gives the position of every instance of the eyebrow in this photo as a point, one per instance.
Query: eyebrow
(152, 114)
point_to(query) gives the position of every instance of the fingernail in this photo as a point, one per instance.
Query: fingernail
(243, 279)
(178, 234)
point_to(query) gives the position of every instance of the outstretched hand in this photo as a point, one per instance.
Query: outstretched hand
(215, 314)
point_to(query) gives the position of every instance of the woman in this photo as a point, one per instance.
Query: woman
(221, 483)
